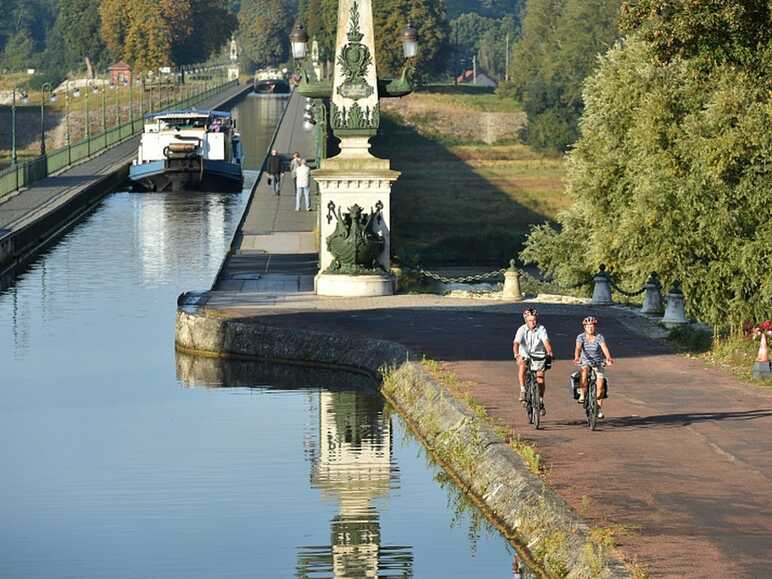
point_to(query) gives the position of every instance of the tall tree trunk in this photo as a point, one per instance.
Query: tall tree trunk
(89, 68)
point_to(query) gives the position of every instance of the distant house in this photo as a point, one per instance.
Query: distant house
(120, 73)
(467, 77)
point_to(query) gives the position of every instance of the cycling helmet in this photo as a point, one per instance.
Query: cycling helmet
(530, 312)
(590, 320)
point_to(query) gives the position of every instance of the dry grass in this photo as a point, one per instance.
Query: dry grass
(464, 202)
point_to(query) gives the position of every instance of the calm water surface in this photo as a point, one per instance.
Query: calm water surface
(120, 459)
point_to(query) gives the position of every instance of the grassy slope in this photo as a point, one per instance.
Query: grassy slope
(464, 202)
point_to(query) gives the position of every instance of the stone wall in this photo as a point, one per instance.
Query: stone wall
(463, 123)
(484, 466)
(28, 128)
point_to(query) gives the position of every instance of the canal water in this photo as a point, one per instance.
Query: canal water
(122, 459)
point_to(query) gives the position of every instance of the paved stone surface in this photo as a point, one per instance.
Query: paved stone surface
(276, 249)
(30, 204)
(684, 458)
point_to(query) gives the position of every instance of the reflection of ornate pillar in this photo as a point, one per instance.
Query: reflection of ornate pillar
(355, 187)
(233, 67)
(354, 466)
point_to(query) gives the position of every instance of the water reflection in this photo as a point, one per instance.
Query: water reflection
(353, 466)
(351, 452)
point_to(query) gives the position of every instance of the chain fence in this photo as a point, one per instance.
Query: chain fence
(481, 277)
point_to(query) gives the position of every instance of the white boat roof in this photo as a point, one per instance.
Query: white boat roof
(187, 114)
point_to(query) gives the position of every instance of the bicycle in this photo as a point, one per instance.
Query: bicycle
(591, 407)
(532, 394)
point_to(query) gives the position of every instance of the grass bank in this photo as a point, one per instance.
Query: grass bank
(459, 200)
(734, 354)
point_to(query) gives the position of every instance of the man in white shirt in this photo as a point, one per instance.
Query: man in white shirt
(303, 182)
(531, 343)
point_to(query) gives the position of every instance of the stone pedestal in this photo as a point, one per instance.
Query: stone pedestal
(675, 314)
(601, 292)
(341, 285)
(511, 291)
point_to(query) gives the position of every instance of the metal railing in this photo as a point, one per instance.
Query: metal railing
(24, 174)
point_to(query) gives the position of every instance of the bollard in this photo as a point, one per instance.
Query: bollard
(652, 299)
(511, 290)
(601, 293)
(674, 313)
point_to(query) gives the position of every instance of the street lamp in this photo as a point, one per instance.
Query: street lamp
(45, 89)
(299, 41)
(410, 41)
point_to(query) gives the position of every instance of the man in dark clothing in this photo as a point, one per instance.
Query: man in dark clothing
(274, 168)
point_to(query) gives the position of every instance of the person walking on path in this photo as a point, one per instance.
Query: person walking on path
(275, 167)
(532, 345)
(294, 164)
(302, 184)
(591, 350)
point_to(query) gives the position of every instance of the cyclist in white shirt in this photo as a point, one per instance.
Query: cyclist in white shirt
(532, 343)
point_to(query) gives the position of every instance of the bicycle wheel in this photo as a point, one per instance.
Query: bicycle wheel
(535, 403)
(528, 399)
(592, 406)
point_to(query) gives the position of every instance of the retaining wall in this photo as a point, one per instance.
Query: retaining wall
(491, 472)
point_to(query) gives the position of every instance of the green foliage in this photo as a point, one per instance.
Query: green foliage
(558, 48)
(486, 8)
(671, 174)
(472, 34)
(78, 23)
(320, 17)
(264, 27)
(152, 33)
(711, 31)
(19, 52)
(391, 18)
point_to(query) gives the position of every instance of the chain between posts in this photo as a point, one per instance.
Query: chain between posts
(464, 279)
(626, 293)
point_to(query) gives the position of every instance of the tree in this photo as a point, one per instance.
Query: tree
(392, 16)
(19, 52)
(559, 46)
(212, 24)
(148, 33)
(671, 171)
(264, 26)
(78, 23)
(494, 9)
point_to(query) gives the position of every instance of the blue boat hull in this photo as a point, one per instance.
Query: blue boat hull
(194, 174)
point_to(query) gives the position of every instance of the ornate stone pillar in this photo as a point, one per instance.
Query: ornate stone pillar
(355, 187)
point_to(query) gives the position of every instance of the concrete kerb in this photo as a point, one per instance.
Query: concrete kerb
(475, 455)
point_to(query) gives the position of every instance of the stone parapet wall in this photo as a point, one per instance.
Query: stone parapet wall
(476, 456)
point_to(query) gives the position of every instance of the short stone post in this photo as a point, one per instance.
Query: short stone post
(674, 313)
(511, 290)
(601, 293)
(652, 299)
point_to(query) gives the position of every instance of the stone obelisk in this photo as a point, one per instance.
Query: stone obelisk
(355, 187)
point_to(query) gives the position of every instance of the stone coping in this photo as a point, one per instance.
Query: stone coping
(489, 470)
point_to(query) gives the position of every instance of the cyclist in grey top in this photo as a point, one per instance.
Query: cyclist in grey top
(532, 343)
(591, 350)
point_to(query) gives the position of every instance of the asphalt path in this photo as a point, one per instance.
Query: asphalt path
(681, 467)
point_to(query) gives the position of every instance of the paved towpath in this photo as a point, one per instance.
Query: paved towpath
(24, 207)
(683, 460)
(276, 248)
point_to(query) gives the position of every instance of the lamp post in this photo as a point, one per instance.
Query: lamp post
(45, 90)
(410, 41)
(130, 86)
(299, 42)
(67, 122)
(104, 113)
